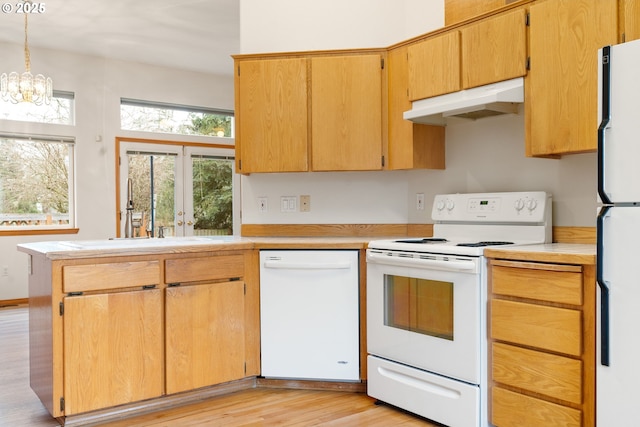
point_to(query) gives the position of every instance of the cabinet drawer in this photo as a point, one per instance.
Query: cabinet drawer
(88, 277)
(204, 268)
(547, 374)
(540, 284)
(509, 409)
(549, 328)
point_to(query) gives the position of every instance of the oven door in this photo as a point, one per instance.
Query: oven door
(425, 311)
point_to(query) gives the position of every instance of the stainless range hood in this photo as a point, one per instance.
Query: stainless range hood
(475, 103)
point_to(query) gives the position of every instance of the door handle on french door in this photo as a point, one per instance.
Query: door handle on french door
(604, 289)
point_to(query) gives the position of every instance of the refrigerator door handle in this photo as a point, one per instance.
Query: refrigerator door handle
(604, 289)
(605, 120)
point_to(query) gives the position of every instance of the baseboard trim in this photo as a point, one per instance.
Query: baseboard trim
(354, 387)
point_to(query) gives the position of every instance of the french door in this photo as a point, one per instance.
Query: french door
(178, 190)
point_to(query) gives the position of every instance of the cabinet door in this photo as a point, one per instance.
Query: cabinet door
(271, 112)
(434, 66)
(561, 89)
(411, 145)
(494, 49)
(204, 335)
(630, 11)
(113, 349)
(346, 113)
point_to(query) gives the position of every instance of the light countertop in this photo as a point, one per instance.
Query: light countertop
(570, 253)
(142, 246)
(551, 252)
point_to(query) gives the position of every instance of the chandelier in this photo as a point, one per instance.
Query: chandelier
(25, 87)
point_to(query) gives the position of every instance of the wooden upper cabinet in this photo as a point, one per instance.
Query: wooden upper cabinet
(460, 10)
(494, 49)
(346, 112)
(561, 88)
(434, 66)
(410, 145)
(630, 14)
(271, 112)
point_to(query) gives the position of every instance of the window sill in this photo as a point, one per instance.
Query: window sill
(36, 232)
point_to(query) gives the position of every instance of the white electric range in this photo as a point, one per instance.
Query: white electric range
(426, 304)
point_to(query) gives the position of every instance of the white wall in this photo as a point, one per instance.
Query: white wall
(294, 25)
(486, 155)
(98, 85)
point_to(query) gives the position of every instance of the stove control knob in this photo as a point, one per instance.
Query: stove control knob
(440, 205)
(519, 205)
(450, 205)
(532, 204)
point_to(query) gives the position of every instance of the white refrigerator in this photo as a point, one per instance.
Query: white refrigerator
(618, 242)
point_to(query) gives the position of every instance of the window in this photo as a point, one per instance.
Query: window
(60, 111)
(178, 189)
(167, 118)
(36, 182)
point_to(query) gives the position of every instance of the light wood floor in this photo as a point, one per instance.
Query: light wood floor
(19, 406)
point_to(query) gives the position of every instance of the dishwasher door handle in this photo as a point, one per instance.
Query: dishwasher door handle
(307, 265)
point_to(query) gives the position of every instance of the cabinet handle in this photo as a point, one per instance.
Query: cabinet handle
(149, 286)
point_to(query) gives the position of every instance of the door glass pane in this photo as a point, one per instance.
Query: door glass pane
(212, 196)
(419, 305)
(153, 180)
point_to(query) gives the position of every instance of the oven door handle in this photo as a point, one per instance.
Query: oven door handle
(457, 265)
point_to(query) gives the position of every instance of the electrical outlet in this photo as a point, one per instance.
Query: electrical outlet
(262, 204)
(4, 271)
(420, 201)
(305, 203)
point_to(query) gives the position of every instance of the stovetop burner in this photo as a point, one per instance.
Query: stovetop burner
(423, 241)
(484, 243)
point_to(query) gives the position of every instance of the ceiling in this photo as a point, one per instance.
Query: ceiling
(198, 35)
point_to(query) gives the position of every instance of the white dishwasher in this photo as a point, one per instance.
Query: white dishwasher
(309, 314)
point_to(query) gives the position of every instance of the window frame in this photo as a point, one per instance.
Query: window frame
(70, 228)
(178, 108)
(57, 94)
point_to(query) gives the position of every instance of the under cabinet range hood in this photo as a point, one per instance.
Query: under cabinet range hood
(475, 103)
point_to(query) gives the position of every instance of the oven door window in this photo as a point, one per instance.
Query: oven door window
(419, 305)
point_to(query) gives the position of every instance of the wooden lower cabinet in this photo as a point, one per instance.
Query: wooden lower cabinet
(542, 344)
(204, 335)
(108, 330)
(113, 349)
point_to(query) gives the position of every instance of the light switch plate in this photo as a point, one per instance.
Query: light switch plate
(288, 204)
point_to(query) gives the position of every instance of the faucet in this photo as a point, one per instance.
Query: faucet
(128, 225)
(160, 232)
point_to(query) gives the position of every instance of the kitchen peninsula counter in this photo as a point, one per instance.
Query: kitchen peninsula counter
(177, 245)
(126, 326)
